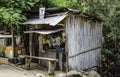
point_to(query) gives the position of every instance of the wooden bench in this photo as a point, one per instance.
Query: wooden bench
(51, 63)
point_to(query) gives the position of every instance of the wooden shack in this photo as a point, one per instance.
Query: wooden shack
(82, 36)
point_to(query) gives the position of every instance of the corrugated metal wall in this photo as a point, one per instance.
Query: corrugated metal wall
(47, 54)
(84, 42)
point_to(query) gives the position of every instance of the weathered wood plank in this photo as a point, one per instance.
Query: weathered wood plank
(83, 35)
(42, 58)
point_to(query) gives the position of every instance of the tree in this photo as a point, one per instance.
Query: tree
(11, 17)
(11, 12)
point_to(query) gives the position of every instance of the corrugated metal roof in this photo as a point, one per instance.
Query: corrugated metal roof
(52, 21)
(7, 36)
(44, 31)
(58, 10)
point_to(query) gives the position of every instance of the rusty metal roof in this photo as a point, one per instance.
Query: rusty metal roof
(52, 20)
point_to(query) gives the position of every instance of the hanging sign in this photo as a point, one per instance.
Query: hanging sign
(41, 13)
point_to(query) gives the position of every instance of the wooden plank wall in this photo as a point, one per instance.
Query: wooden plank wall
(84, 42)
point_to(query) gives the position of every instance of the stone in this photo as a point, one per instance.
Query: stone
(40, 75)
(82, 74)
(73, 74)
(92, 74)
(61, 75)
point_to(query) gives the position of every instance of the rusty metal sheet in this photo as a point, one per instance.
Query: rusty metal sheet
(44, 31)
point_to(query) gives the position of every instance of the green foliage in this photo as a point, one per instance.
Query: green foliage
(18, 4)
(11, 17)
(43, 3)
(11, 12)
(75, 4)
(111, 32)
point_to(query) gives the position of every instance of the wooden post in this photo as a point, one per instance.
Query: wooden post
(40, 46)
(66, 52)
(40, 42)
(29, 64)
(51, 68)
(30, 43)
(13, 42)
(30, 46)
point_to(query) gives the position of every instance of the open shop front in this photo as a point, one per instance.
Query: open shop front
(10, 49)
(48, 43)
(11, 45)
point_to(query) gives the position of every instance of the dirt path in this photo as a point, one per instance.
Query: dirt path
(10, 71)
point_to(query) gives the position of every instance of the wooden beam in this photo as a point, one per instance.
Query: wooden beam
(30, 43)
(13, 42)
(42, 58)
(66, 50)
(51, 68)
(30, 46)
(40, 42)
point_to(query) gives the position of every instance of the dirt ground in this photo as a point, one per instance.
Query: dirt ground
(10, 71)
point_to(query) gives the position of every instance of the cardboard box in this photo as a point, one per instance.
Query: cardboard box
(4, 61)
(9, 52)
